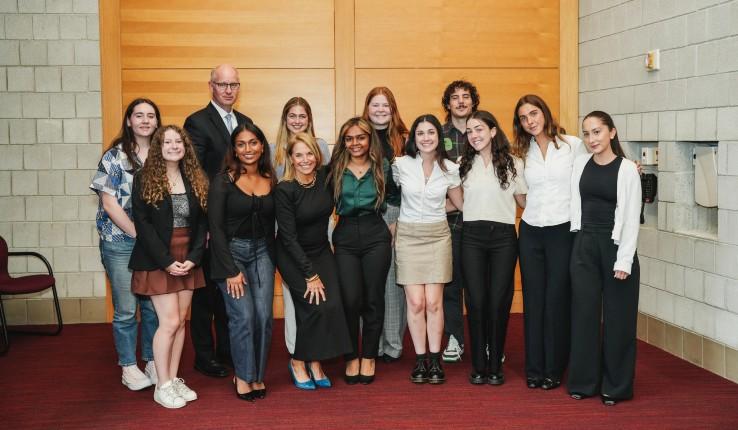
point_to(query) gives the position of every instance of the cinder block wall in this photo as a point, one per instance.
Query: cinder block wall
(50, 143)
(689, 255)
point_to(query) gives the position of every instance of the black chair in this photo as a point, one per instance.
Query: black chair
(24, 285)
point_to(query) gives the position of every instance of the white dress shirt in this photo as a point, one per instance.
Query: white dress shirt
(423, 202)
(484, 199)
(549, 181)
(223, 113)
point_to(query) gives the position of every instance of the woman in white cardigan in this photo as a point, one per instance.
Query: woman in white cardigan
(605, 210)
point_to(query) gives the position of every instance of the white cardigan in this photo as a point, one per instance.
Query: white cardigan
(627, 211)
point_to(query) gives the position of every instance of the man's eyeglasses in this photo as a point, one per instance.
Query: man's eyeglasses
(223, 85)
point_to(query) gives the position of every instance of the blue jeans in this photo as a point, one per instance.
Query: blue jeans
(250, 316)
(115, 256)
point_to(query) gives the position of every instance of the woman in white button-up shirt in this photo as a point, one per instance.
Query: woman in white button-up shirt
(493, 185)
(423, 241)
(545, 239)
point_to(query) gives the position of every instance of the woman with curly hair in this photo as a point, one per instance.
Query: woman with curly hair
(380, 109)
(241, 218)
(493, 183)
(169, 203)
(113, 182)
(361, 180)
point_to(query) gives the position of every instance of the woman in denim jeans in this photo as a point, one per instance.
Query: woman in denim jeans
(113, 182)
(241, 216)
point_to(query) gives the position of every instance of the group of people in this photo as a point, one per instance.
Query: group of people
(204, 215)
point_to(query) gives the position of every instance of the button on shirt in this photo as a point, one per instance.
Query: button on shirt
(484, 199)
(549, 181)
(423, 202)
(359, 195)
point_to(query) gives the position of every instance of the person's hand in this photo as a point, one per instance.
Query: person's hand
(639, 167)
(393, 232)
(315, 290)
(235, 285)
(619, 274)
(177, 269)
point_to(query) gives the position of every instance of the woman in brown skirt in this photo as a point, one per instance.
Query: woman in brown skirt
(169, 202)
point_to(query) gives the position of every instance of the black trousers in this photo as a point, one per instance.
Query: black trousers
(603, 356)
(489, 250)
(363, 254)
(208, 306)
(453, 292)
(544, 265)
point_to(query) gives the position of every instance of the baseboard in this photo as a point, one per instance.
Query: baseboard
(41, 311)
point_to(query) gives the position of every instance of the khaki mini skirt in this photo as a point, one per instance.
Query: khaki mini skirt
(423, 253)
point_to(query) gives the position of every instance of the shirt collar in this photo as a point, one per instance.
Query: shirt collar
(221, 111)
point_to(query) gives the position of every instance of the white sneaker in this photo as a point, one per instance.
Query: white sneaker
(453, 351)
(167, 396)
(150, 372)
(134, 378)
(183, 390)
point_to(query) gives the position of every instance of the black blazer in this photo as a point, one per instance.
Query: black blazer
(154, 227)
(210, 137)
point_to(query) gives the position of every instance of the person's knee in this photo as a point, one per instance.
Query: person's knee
(415, 305)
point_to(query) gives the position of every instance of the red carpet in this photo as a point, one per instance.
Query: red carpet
(71, 382)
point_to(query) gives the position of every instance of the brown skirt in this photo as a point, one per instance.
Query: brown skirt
(154, 282)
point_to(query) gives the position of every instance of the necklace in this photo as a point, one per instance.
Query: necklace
(173, 183)
(309, 184)
(360, 169)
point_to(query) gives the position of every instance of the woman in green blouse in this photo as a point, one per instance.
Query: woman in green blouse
(361, 181)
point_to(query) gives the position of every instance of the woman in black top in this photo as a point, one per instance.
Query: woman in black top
(241, 215)
(361, 179)
(304, 258)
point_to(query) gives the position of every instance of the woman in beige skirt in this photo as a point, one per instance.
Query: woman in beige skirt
(423, 241)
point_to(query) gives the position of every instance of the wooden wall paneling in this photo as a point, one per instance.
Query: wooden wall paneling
(110, 75)
(248, 34)
(179, 92)
(569, 66)
(419, 91)
(344, 56)
(457, 33)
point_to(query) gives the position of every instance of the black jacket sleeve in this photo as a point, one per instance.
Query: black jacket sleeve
(199, 233)
(146, 232)
(286, 219)
(199, 138)
(221, 262)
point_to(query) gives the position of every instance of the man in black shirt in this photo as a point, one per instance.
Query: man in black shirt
(460, 99)
(210, 129)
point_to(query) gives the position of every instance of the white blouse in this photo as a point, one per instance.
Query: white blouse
(423, 202)
(549, 181)
(484, 199)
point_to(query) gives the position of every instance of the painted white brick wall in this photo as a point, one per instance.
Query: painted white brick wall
(688, 279)
(50, 138)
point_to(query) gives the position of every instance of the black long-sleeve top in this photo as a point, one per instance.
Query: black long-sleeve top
(233, 213)
(392, 195)
(302, 215)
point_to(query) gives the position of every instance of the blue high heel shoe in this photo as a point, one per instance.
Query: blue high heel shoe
(307, 385)
(322, 383)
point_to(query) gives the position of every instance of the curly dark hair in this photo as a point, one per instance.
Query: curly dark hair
(453, 86)
(502, 159)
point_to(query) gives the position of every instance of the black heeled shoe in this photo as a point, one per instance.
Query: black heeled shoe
(550, 384)
(366, 379)
(260, 394)
(249, 397)
(419, 374)
(534, 382)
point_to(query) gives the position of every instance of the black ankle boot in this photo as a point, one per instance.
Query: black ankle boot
(420, 371)
(435, 372)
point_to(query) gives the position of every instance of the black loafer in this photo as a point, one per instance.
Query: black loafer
(496, 378)
(211, 368)
(550, 384)
(533, 382)
(477, 379)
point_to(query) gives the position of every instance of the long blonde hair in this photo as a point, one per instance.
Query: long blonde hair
(154, 182)
(311, 143)
(341, 158)
(283, 135)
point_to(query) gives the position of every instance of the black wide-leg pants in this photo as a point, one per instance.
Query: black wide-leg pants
(603, 356)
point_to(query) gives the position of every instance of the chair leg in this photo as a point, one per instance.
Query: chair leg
(5, 346)
(60, 324)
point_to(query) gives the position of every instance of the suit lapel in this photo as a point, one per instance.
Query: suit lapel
(219, 125)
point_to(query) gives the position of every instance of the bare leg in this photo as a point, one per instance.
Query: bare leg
(415, 296)
(167, 310)
(352, 367)
(434, 315)
(298, 367)
(367, 366)
(317, 370)
(184, 299)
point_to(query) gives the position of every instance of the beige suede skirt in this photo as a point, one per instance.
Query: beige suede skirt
(423, 253)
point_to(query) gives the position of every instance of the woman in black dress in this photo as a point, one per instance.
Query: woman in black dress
(305, 260)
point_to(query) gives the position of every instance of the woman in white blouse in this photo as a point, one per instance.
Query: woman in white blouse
(493, 184)
(423, 241)
(545, 239)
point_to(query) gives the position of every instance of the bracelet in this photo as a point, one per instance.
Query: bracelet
(312, 278)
